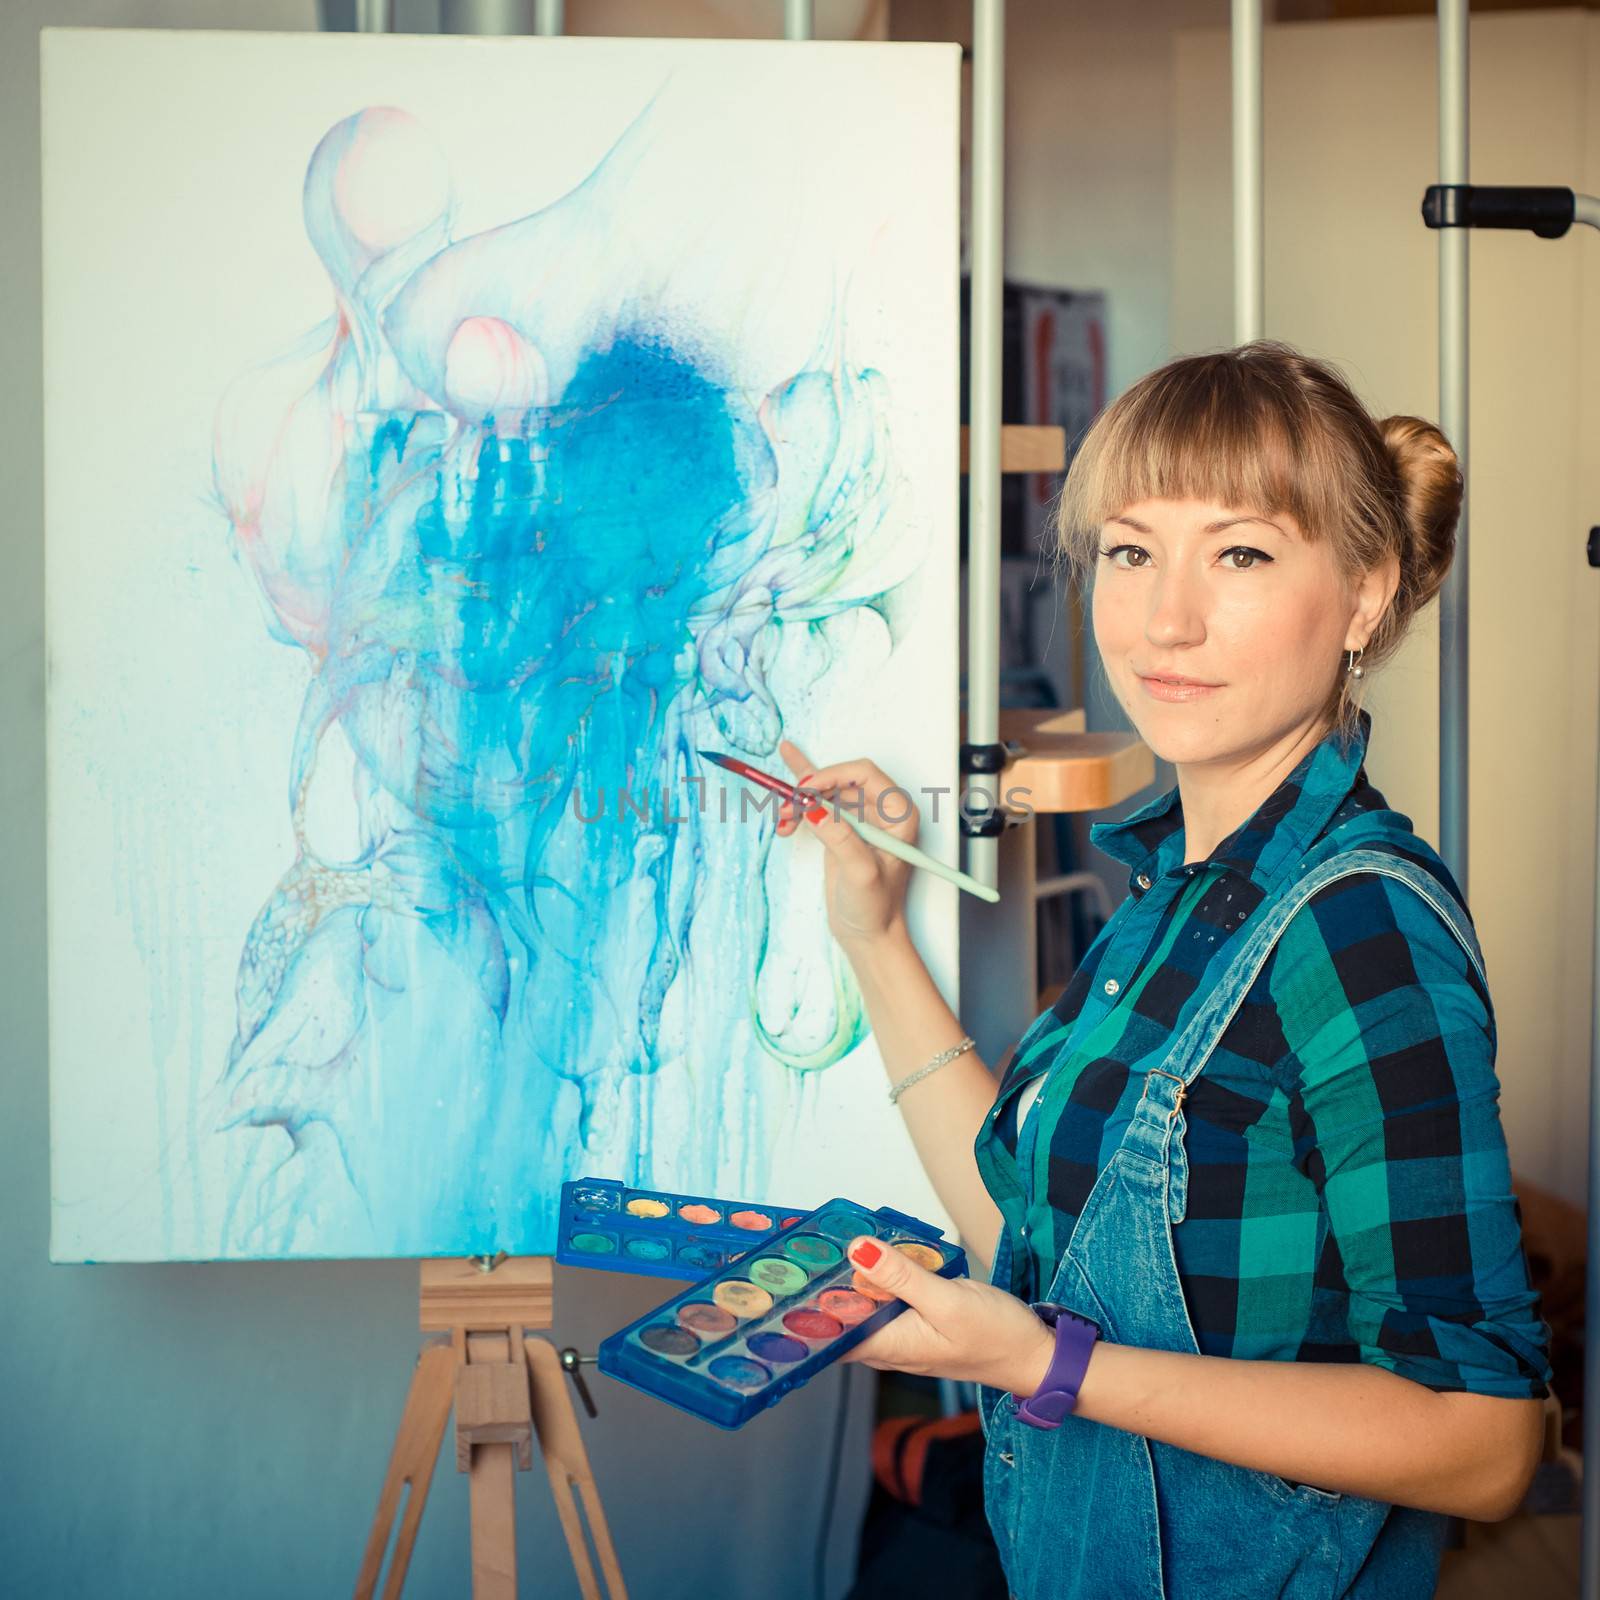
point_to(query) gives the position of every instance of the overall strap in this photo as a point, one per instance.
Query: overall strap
(1158, 1113)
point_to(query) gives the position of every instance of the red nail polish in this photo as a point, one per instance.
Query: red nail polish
(816, 813)
(866, 1253)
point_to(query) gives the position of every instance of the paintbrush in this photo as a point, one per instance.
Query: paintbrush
(878, 838)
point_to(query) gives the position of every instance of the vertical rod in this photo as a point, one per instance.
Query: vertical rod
(491, 18)
(549, 18)
(1589, 1556)
(1453, 300)
(374, 16)
(1249, 295)
(797, 19)
(1586, 210)
(983, 477)
(983, 474)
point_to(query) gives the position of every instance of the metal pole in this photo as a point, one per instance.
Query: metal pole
(1248, 250)
(983, 462)
(1586, 209)
(797, 19)
(990, 934)
(486, 17)
(1453, 419)
(1589, 1548)
(374, 16)
(549, 17)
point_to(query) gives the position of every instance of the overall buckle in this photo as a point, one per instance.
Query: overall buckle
(1183, 1088)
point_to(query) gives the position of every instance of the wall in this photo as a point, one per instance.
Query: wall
(1088, 205)
(1118, 178)
(222, 1430)
(1351, 144)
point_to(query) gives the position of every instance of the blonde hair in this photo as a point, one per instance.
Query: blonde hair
(1264, 429)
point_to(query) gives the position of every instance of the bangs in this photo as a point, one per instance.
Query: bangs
(1227, 431)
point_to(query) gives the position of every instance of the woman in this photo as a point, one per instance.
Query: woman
(1251, 1165)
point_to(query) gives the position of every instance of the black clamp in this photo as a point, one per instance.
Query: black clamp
(1545, 211)
(1593, 551)
(987, 760)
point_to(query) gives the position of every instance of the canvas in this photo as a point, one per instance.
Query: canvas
(446, 439)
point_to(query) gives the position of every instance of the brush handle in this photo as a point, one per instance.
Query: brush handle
(874, 835)
(880, 839)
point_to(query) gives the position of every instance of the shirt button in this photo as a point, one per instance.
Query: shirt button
(1143, 881)
(1112, 985)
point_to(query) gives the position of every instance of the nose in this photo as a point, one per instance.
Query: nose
(1177, 609)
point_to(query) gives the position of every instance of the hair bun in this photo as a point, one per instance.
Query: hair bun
(1430, 488)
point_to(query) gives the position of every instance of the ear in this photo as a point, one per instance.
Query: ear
(1374, 594)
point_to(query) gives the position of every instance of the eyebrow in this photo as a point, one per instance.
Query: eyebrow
(1211, 527)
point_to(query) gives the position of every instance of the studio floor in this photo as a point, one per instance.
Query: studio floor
(1535, 1558)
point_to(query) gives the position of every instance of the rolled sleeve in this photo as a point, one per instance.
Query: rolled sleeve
(1394, 1111)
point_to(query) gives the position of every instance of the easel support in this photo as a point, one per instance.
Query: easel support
(505, 1387)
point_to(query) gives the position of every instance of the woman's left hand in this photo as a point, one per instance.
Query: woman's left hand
(955, 1327)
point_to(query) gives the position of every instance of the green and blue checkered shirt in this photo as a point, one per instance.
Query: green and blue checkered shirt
(1349, 1190)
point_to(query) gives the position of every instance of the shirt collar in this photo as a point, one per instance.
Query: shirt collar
(1281, 827)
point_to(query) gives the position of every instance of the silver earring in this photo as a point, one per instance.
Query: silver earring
(1352, 667)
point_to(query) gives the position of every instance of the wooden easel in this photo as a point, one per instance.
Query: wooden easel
(505, 1387)
(502, 1397)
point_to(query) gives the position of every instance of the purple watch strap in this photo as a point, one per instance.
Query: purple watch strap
(1057, 1395)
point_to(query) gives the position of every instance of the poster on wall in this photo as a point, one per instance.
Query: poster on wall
(1061, 370)
(446, 441)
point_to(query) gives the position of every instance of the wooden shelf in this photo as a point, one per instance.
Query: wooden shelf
(1068, 769)
(1026, 449)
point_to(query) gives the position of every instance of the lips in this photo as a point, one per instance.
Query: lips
(1168, 692)
(1182, 683)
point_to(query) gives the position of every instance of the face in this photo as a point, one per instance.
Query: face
(1248, 607)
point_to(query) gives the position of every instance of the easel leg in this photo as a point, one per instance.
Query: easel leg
(503, 1387)
(493, 1468)
(567, 1462)
(416, 1449)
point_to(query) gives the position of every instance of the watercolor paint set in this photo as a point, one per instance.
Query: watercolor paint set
(737, 1342)
(604, 1223)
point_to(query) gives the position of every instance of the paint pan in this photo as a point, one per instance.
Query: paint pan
(604, 1223)
(740, 1340)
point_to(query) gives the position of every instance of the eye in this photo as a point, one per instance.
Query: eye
(1245, 550)
(1117, 550)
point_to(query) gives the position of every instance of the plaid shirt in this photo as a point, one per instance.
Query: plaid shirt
(1349, 1189)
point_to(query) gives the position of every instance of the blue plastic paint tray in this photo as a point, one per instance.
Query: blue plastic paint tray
(738, 1342)
(606, 1224)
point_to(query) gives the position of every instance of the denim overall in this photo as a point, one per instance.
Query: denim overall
(1089, 1510)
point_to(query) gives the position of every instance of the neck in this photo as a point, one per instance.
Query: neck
(1219, 796)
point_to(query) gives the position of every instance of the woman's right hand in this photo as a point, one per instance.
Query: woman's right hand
(866, 889)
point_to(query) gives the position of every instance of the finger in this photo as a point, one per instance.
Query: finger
(894, 1275)
(799, 762)
(800, 765)
(892, 1347)
(863, 783)
(853, 854)
(871, 798)
(867, 1358)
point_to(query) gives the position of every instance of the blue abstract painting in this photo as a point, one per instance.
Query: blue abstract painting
(625, 429)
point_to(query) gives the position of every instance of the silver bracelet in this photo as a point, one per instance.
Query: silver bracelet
(943, 1059)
